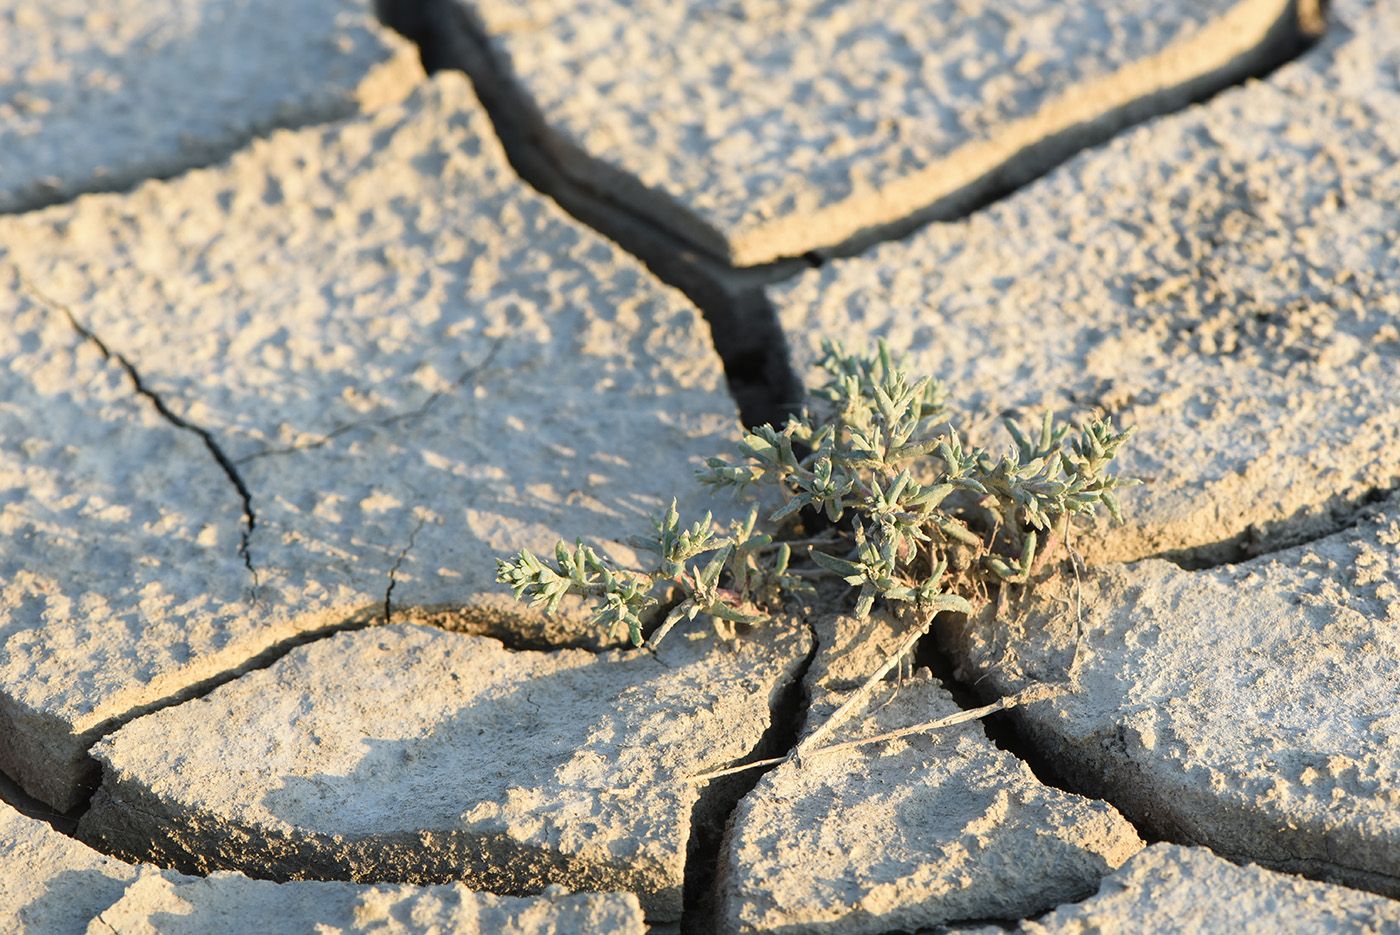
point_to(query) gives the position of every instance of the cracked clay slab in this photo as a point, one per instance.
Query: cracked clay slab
(1222, 278)
(120, 578)
(51, 884)
(907, 833)
(760, 129)
(406, 753)
(411, 362)
(1249, 708)
(1170, 890)
(101, 96)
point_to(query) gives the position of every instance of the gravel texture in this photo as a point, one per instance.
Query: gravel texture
(51, 884)
(409, 754)
(101, 96)
(1170, 890)
(758, 129)
(905, 833)
(1249, 708)
(412, 364)
(1222, 278)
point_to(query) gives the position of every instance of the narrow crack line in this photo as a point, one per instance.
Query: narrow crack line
(265, 659)
(389, 591)
(1257, 541)
(225, 464)
(416, 413)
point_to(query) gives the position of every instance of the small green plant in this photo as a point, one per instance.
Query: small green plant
(915, 516)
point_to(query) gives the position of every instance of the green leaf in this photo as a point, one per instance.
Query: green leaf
(946, 603)
(840, 566)
(954, 529)
(789, 508)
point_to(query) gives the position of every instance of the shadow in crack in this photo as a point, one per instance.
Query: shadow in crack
(405, 754)
(73, 899)
(745, 331)
(13, 795)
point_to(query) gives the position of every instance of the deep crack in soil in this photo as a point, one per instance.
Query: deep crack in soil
(744, 326)
(1001, 727)
(721, 797)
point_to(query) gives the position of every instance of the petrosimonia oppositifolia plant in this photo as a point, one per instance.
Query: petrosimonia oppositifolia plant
(915, 516)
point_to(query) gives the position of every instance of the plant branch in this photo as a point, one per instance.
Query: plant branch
(1031, 695)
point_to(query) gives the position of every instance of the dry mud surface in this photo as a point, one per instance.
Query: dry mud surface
(51, 884)
(265, 426)
(1249, 707)
(98, 96)
(1223, 278)
(759, 130)
(382, 362)
(406, 753)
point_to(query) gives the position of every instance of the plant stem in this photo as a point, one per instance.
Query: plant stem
(858, 697)
(1030, 695)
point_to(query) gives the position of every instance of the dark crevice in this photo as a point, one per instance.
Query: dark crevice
(1000, 727)
(520, 628)
(744, 326)
(1003, 728)
(710, 817)
(13, 795)
(1308, 524)
(225, 464)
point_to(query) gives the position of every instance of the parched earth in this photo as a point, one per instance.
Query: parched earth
(300, 336)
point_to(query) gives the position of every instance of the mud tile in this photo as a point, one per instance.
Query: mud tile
(411, 362)
(1221, 278)
(406, 753)
(97, 97)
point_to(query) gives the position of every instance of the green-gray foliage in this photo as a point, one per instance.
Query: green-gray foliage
(869, 449)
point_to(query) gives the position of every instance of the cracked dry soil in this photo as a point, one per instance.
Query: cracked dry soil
(429, 364)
